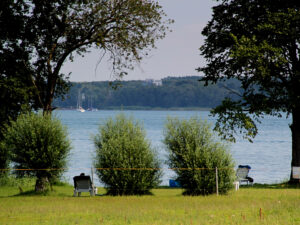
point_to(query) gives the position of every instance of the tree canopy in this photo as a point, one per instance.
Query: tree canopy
(121, 143)
(15, 85)
(47, 33)
(191, 144)
(35, 142)
(257, 42)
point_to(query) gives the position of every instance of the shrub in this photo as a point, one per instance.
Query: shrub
(13, 181)
(37, 142)
(4, 160)
(192, 145)
(122, 148)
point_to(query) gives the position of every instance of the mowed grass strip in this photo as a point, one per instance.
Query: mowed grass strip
(255, 205)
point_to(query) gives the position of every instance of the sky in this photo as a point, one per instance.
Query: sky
(177, 55)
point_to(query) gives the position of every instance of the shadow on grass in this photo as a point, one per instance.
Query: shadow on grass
(27, 193)
(33, 193)
(272, 186)
(63, 190)
(167, 187)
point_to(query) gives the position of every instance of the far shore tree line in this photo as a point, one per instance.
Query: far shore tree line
(256, 42)
(172, 92)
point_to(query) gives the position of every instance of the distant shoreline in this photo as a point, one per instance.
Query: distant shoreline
(148, 108)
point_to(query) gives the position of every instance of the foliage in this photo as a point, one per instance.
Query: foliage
(50, 32)
(130, 165)
(183, 92)
(14, 98)
(258, 43)
(4, 160)
(16, 92)
(37, 143)
(13, 181)
(194, 153)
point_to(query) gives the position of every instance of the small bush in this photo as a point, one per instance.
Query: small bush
(37, 142)
(12, 181)
(4, 160)
(192, 145)
(122, 148)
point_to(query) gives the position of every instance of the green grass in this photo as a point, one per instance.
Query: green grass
(279, 204)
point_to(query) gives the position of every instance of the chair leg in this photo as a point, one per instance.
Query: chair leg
(236, 185)
(92, 193)
(79, 194)
(75, 192)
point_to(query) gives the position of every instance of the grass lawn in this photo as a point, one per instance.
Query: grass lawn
(261, 204)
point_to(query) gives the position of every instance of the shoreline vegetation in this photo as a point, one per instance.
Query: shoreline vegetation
(139, 108)
(258, 204)
(171, 93)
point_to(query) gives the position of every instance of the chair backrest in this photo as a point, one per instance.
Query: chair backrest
(83, 182)
(242, 172)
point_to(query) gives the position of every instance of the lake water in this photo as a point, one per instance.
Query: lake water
(269, 155)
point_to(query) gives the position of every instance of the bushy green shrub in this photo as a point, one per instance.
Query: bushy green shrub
(4, 160)
(194, 153)
(13, 181)
(37, 142)
(130, 165)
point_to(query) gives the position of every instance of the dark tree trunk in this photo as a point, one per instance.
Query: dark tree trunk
(48, 107)
(42, 184)
(295, 129)
(49, 95)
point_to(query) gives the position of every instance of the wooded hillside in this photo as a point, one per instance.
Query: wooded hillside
(184, 92)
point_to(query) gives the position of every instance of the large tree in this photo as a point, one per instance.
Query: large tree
(16, 92)
(51, 32)
(258, 43)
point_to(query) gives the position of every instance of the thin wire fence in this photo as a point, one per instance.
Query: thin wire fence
(117, 168)
(216, 188)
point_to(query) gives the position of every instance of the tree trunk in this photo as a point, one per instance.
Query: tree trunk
(295, 129)
(48, 99)
(49, 96)
(48, 107)
(42, 184)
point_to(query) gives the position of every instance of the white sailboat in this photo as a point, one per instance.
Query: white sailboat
(90, 105)
(79, 107)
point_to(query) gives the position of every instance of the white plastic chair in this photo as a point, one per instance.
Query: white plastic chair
(242, 174)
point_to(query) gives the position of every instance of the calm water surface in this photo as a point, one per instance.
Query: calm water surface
(269, 155)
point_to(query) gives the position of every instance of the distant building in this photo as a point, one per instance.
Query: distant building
(157, 82)
(153, 82)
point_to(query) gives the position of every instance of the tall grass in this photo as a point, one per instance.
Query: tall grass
(258, 205)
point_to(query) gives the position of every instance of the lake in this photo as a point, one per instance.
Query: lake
(269, 155)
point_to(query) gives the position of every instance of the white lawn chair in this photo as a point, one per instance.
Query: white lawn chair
(242, 175)
(84, 184)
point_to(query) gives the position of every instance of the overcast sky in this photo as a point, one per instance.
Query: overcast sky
(176, 55)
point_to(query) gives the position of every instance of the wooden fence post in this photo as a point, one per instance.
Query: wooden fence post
(217, 182)
(92, 173)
